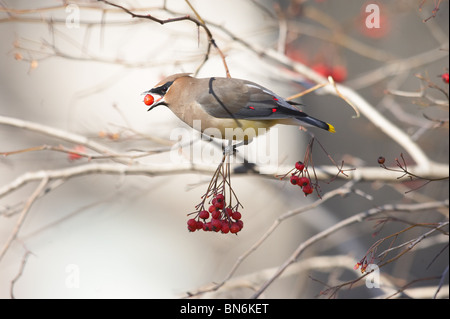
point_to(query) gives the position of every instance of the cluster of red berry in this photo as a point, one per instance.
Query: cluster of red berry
(223, 219)
(299, 178)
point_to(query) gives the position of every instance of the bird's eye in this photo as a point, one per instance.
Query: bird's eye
(162, 90)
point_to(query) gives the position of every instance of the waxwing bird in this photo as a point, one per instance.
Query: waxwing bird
(227, 103)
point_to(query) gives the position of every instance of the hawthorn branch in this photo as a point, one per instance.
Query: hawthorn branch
(322, 172)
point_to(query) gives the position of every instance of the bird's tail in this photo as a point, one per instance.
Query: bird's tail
(317, 123)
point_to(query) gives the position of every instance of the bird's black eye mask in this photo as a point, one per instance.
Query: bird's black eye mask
(161, 90)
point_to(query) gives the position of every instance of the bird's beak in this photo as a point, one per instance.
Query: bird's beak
(159, 100)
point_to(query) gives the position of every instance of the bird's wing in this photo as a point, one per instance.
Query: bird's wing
(240, 99)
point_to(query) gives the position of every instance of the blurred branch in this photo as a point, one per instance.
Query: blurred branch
(398, 66)
(357, 218)
(322, 172)
(338, 37)
(62, 135)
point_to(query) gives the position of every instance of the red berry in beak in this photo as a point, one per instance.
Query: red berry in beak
(148, 99)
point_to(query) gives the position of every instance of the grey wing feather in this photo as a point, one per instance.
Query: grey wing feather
(242, 99)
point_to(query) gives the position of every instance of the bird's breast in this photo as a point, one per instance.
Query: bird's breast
(225, 128)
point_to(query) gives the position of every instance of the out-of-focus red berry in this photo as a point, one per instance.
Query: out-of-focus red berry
(77, 149)
(339, 73)
(322, 69)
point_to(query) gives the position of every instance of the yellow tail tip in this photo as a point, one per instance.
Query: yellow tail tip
(331, 128)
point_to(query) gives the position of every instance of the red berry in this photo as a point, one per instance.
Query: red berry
(220, 197)
(445, 77)
(199, 225)
(381, 160)
(212, 208)
(148, 99)
(219, 205)
(300, 166)
(207, 226)
(303, 181)
(203, 214)
(295, 180)
(234, 228)
(240, 223)
(216, 214)
(307, 190)
(216, 224)
(192, 224)
(236, 215)
(225, 227)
